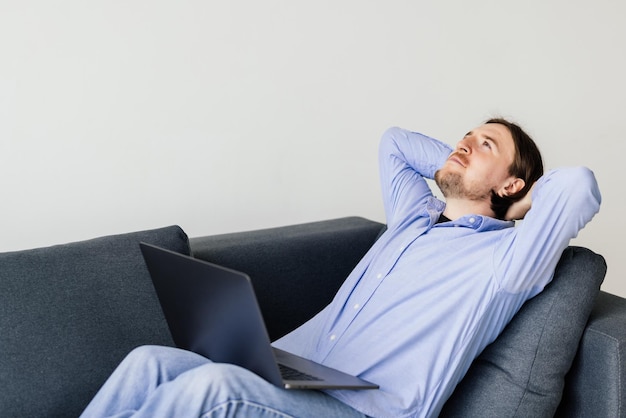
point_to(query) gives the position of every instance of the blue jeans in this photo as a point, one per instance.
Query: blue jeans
(167, 382)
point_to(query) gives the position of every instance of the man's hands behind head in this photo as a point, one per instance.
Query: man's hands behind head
(519, 209)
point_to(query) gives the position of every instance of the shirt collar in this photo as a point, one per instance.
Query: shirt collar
(435, 208)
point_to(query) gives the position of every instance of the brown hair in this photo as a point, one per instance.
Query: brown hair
(527, 165)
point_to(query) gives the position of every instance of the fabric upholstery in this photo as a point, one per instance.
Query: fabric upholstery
(69, 314)
(595, 384)
(295, 270)
(521, 374)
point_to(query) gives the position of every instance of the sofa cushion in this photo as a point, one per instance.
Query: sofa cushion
(521, 374)
(70, 313)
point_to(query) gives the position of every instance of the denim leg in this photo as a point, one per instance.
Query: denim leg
(166, 382)
(137, 377)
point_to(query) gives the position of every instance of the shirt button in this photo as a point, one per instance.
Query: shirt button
(380, 275)
(333, 337)
(356, 306)
(472, 220)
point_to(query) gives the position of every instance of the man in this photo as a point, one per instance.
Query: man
(437, 287)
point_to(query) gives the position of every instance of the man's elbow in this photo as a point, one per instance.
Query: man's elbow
(585, 187)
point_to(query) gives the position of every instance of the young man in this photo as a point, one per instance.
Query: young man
(437, 287)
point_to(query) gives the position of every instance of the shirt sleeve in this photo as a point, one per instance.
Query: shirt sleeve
(406, 159)
(563, 202)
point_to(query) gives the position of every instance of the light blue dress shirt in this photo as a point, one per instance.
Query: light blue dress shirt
(427, 298)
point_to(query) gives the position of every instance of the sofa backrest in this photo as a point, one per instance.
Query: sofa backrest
(69, 314)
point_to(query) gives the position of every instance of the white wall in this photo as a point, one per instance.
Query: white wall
(231, 115)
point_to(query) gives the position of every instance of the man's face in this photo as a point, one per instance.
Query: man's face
(479, 164)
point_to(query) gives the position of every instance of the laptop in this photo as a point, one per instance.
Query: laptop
(212, 310)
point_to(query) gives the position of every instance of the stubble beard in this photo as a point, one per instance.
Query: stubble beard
(453, 187)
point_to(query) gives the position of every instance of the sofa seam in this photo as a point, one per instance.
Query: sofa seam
(526, 388)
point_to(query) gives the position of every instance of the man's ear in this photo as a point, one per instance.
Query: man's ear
(512, 186)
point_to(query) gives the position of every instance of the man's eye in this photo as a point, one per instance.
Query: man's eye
(487, 144)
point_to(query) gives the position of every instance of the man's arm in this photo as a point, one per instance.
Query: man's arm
(407, 158)
(561, 203)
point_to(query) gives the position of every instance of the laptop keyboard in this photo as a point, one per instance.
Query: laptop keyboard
(289, 373)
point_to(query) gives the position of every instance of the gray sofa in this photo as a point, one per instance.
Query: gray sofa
(69, 314)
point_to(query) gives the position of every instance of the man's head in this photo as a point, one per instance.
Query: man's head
(527, 165)
(496, 164)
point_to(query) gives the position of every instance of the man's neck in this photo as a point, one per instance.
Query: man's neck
(457, 208)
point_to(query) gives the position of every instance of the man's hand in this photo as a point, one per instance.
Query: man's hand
(518, 209)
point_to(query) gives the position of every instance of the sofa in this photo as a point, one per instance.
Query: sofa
(69, 314)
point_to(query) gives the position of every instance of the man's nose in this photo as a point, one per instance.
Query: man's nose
(463, 147)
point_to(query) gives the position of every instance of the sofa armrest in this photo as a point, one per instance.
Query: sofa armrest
(596, 383)
(295, 270)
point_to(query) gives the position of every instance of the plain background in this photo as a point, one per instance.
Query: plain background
(223, 116)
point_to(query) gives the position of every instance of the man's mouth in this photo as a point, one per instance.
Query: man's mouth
(458, 159)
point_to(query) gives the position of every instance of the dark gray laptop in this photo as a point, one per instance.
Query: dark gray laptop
(212, 311)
